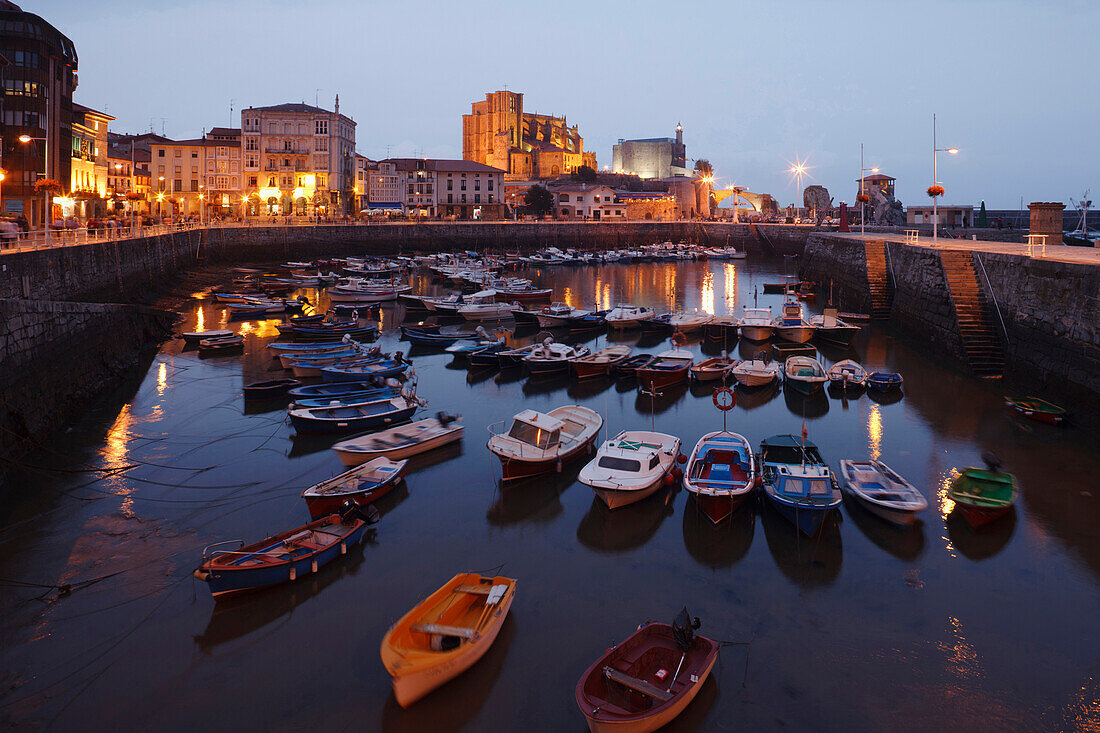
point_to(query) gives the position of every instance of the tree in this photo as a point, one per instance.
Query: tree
(585, 174)
(703, 167)
(539, 200)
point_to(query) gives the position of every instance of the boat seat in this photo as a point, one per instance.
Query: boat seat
(479, 590)
(443, 630)
(636, 684)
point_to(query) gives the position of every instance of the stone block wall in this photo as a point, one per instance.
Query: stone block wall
(922, 298)
(839, 267)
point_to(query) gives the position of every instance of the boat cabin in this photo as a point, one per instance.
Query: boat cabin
(630, 456)
(800, 482)
(536, 429)
(792, 314)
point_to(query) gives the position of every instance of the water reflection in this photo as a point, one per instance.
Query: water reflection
(904, 543)
(983, 543)
(810, 406)
(537, 501)
(874, 432)
(115, 451)
(626, 528)
(719, 545)
(813, 561)
(750, 398)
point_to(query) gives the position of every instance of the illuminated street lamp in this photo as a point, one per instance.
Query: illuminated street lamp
(862, 189)
(45, 169)
(935, 177)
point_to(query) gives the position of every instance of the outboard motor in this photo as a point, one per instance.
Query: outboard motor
(445, 419)
(683, 629)
(992, 461)
(350, 510)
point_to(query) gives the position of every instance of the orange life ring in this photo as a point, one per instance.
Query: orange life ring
(719, 404)
(679, 339)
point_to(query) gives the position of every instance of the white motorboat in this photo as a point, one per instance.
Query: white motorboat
(756, 323)
(537, 443)
(551, 356)
(791, 326)
(627, 316)
(448, 304)
(847, 375)
(721, 472)
(631, 466)
(402, 441)
(756, 373)
(482, 306)
(829, 327)
(804, 374)
(557, 314)
(882, 491)
(358, 290)
(689, 321)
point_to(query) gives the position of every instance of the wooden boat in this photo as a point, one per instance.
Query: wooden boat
(627, 316)
(601, 362)
(381, 369)
(328, 333)
(524, 294)
(348, 418)
(983, 495)
(439, 340)
(220, 345)
(882, 491)
(723, 328)
(791, 326)
(645, 681)
(328, 358)
(354, 398)
(527, 317)
(884, 381)
(714, 368)
(784, 349)
(514, 357)
(363, 484)
(192, 338)
(552, 357)
(721, 472)
(756, 324)
(797, 482)
(402, 441)
(756, 372)
(829, 327)
(486, 356)
(689, 322)
(537, 443)
(667, 368)
(299, 350)
(284, 557)
(445, 634)
(804, 374)
(1037, 409)
(629, 366)
(847, 375)
(269, 389)
(631, 466)
(336, 389)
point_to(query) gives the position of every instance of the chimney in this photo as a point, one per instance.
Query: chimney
(337, 104)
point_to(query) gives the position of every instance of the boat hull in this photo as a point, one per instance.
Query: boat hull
(899, 517)
(547, 367)
(795, 334)
(978, 517)
(757, 333)
(839, 335)
(308, 425)
(653, 379)
(807, 517)
(514, 469)
(804, 386)
(616, 498)
(356, 458)
(718, 507)
(322, 506)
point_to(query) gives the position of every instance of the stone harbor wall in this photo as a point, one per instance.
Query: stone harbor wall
(54, 356)
(839, 267)
(922, 299)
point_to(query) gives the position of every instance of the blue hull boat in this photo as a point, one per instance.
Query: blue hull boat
(335, 389)
(797, 482)
(308, 348)
(284, 557)
(884, 381)
(380, 369)
(361, 416)
(352, 398)
(440, 340)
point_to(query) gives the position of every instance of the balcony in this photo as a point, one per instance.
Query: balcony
(277, 151)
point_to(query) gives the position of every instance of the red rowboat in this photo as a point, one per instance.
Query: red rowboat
(362, 484)
(668, 368)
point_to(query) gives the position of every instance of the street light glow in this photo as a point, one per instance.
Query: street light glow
(953, 151)
(25, 138)
(874, 170)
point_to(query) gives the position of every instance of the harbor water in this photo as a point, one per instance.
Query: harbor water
(863, 627)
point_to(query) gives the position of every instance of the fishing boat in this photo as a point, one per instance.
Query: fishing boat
(847, 375)
(318, 348)
(645, 681)
(829, 327)
(723, 328)
(361, 291)
(192, 338)
(882, 491)
(514, 357)
(304, 369)
(381, 369)
(336, 389)
(756, 323)
(354, 398)
(221, 345)
(447, 305)
(631, 466)
(714, 368)
(601, 362)
(797, 482)
(486, 356)
(1037, 409)
(755, 372)
(537, 443)
(363, 484)
(438, 340)
(558, 314)
(552, 357)
(804, 374)
(269, 389)
(629, 366)
(656, 323)
(689, 322)
(791, 326)
(328, 333)
(527, 293)
(667, 368)
(284, 557)
(527, 316)
(445, 634)
(721, 471)
(483, 306)
(328, 358)
(420, 328)
(401, 441)
(587, 322)
(983, 495)
(884, 381)
(349, 418)
(627, 316)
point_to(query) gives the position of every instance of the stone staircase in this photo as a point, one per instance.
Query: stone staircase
(977, 322)
(882, 294)
(763, 238)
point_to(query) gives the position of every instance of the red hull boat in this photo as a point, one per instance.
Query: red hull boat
(667, 368)
(523, 296)
(719, 508)
(363, 484)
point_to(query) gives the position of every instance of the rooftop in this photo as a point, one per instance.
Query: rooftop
(877, 177)
(650, 140)
(441, 164)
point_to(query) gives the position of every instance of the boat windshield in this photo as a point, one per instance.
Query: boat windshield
(792, 454)
(806, 487)
(620, 464)
(531, 435)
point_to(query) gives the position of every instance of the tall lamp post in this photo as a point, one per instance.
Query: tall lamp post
(935, 178)
(46, 169)
(862, 189)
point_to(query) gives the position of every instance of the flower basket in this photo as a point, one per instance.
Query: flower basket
(133, 196)
(863, 198)
(934, 191)
(47, 185)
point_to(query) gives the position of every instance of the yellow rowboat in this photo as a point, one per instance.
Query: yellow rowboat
(445, 634)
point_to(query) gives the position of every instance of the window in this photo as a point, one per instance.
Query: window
(531, 435)
(620, 464)
(463, 198)
(477, 198)
(251, 143)
(464, 185)
(320, 127)
(160, 154)
(477, 185)
(177, 185)
(288, 145)
(563, 198)
(450, 198)
(490, 184)
(490, 198)
(194, 185)
(450, 185)
(320, 145)
(252, 181)
(179, 153)
(271, 181)
(222, 183)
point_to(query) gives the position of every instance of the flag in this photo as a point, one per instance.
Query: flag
(804, 433)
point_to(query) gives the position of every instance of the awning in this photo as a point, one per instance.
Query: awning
(385, 206)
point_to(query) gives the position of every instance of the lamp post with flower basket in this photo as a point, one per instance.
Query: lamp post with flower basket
(936, 189)
(49, 188)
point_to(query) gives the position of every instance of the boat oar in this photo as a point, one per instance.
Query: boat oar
(495, 594)
(677, 673)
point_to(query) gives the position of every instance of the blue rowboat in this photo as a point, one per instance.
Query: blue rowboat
(336, 388)
(884, 381)
(587, 322)
(361, 416)
(315, 347)
(441, 340)
(380, 369)
(797, 482)
(288, 556)
(351, 398)
(419, 329)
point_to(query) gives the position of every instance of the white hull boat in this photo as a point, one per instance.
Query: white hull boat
(755, 373)
(756, 324)
(400, 442)
(882, 491)
(630, 467)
